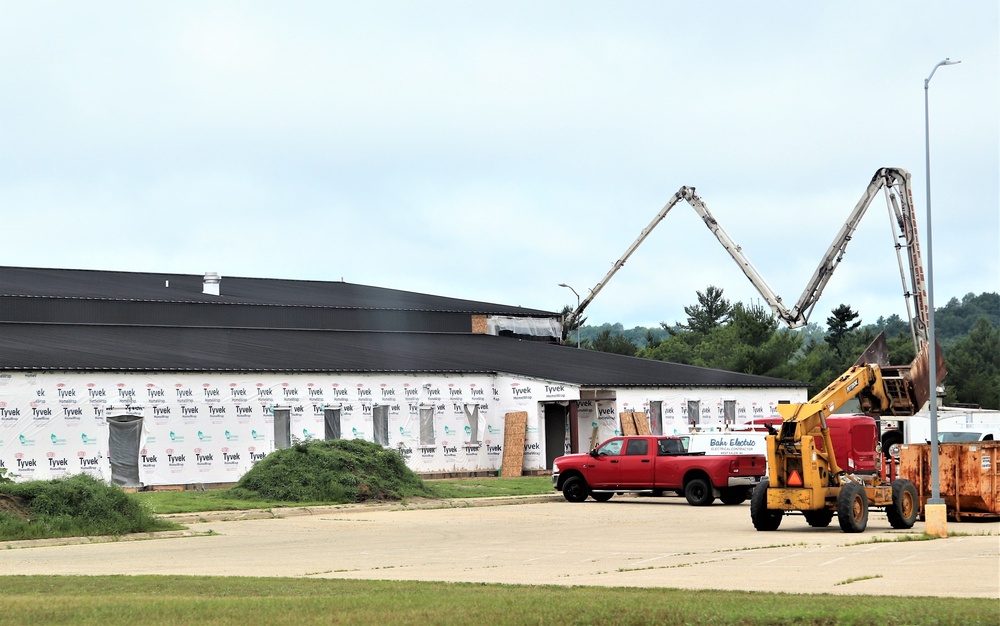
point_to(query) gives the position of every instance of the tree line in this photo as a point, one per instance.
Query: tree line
(738, 337)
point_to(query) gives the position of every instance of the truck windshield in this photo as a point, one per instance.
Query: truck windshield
(958, 437)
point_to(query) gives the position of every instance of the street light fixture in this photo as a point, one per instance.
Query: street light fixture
(935, 498)
(578, 307)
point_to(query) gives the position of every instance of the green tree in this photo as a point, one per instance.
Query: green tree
(956, 319)
(711, 312)
(974, 367)
(749, 343)
(677, 348)
(605, 341)
(838, 325)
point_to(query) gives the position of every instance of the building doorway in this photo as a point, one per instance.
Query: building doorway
(555, 432)
(124, 438)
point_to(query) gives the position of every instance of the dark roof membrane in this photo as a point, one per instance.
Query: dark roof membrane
(116, 348)
(24, 281)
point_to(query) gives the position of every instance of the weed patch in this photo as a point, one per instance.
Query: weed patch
(77, 506)
(337, 471)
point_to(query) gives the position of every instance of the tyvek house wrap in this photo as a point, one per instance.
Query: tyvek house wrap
(161, 428)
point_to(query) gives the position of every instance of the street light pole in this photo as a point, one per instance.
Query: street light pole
(935, 498)
(577, 308)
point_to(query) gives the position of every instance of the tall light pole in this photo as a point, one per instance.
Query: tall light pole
(935, 498)
(578, 308)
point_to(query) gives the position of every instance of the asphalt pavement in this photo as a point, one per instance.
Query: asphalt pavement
(628, 542)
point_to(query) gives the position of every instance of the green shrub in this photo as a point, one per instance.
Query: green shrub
(79, 505)
(338, 471)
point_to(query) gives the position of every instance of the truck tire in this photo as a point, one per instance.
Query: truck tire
(818, 519)
(903, 510)
(891, 443)
(852, 508)
(734, 495)
(575, 489)
(603, 496)
(762, 517)
(698, 492)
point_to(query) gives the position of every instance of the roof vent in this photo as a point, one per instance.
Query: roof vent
(211, 284)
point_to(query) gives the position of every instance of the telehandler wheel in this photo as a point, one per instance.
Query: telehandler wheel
(698, 492)
(575, 489)
(852, 508)
(604, 496)
(818, 519)
(762, 517)
(733, 495)
(903, 510)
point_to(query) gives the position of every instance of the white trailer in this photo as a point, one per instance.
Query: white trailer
(953, 424)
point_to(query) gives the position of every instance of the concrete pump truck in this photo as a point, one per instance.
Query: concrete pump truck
(804, 473)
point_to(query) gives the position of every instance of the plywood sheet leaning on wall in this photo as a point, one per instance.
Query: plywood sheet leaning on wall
(634, 423)
(515, 425)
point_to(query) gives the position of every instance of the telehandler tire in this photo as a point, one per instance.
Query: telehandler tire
(852, 508)
(903, 510)
(733, 495)
(818, 519)
(762, 517)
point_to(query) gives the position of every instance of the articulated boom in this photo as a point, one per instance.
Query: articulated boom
(894, 182)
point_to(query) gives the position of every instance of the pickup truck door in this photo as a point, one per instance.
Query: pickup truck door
(605, 465)
(637, 464)
(668, 472)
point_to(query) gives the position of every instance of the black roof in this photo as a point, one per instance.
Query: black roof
(154, 287)
(117, 348)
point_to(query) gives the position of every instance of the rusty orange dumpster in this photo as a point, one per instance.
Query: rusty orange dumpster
(967, 476)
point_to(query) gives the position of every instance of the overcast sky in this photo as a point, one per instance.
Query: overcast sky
(492, 150)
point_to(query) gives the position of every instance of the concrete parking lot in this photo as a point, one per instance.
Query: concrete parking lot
(629, 541)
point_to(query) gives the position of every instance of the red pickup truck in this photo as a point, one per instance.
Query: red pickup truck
(656, 464)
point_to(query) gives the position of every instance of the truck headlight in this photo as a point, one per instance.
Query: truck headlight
(555, 468)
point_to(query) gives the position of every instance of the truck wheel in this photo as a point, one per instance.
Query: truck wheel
(762, 517)
(698, 492)
(903, 510)
(891, 443)
(604, 496)
(575, 489)
(818, 519)
(733, 495)
(852, 508)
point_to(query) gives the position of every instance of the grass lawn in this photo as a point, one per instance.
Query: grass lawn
(148, 600)
(165, 502)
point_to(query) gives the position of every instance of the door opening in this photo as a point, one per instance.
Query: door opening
(555, 432)
(124, 438)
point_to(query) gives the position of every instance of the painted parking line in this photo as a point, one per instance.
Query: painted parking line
(657, 558)
(547, 556)
(781, 558)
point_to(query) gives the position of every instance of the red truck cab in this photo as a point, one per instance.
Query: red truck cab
(648, 463)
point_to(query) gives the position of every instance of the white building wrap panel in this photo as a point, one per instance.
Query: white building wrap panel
(212, 427)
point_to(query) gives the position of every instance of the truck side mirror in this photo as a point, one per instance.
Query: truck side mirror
(593, 453)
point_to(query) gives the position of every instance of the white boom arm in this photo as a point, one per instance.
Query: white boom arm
(896, 185)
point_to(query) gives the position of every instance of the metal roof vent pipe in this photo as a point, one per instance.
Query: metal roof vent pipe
(211, 284)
